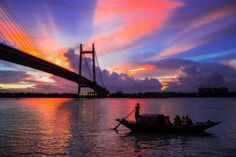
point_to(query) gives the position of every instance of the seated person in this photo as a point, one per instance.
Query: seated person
(177, 120)
(167, 121)
(183, 121)
(189, 121)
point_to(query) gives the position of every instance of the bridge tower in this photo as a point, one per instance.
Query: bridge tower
(80, 66)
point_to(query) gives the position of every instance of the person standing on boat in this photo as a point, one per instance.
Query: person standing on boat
(137, 108)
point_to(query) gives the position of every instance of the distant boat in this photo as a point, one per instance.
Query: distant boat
(195, 128)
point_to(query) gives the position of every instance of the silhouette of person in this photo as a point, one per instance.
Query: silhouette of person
(177, 120)
(189, 121)
(137, 108)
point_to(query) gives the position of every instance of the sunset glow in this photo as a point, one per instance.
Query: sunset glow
(145, 68)
(119, 78)
(16, 86)
(170, 41)
(166, 80)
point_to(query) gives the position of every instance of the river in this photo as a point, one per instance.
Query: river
(83, 127)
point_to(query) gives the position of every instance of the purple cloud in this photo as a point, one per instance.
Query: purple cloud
(12, 76)
(114, 81)
(59, 86)
(191, 77)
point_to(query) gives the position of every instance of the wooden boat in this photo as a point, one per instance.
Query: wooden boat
(195, 128)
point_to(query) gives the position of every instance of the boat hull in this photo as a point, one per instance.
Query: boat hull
(196, 128)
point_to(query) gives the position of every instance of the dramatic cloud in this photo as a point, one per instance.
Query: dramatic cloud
(15, 80)
(187, 76)
(129, 21)
(13, 76)
(114, 81)
(20, 81)
(184, 76)
(169, 64)
(123, 82)
(166, 69)
(134, 40)
(59, 86)
(191, 77)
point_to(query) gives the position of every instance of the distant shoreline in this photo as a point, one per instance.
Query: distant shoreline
(118, 95)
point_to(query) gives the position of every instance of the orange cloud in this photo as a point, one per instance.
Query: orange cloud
(17, 37)
(136, 70)
(165, 80)
(174, 51)
(21, 85)
(129, 20)
(48, 39)
(59, 58)
(51, 42)
(40, 77)
(209, 18)
(132, 69)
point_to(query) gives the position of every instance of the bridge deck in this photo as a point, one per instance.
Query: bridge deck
(16, 56)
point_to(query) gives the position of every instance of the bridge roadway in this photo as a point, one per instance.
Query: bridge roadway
(16, 56)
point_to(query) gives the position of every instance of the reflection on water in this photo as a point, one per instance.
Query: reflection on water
(83, 127)
(167, 145)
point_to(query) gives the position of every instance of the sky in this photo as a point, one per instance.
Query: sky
(142, 45)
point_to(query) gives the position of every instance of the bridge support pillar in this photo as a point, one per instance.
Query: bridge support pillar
(80, 65)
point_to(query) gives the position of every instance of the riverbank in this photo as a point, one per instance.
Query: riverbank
(117, 95)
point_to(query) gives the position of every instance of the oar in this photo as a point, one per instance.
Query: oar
(124, 118)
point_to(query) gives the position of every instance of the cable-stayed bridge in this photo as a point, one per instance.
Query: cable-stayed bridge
(17, 46)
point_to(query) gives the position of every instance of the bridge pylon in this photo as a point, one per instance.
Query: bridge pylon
(80, 67)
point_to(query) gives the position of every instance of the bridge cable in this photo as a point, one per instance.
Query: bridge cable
(88, 68)
(8, 35)
(13, 30)
(10, 16)
(99, 70)
(23, 29)
(4, 40)
(1, 38)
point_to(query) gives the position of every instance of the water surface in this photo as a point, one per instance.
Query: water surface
(83, 127)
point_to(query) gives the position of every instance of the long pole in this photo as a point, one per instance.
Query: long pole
(124, 118)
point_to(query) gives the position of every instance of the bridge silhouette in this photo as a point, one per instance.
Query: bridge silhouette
(13, 50)
(16, 56)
